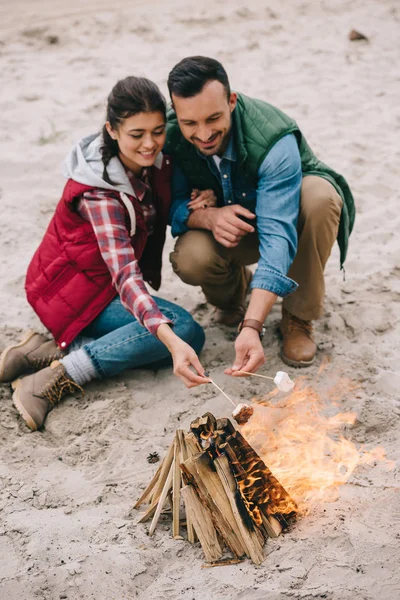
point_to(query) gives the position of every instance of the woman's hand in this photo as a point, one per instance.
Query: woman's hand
(183, 356)
(202, 199)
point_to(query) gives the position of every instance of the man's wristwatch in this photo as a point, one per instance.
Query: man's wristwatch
(253, 324)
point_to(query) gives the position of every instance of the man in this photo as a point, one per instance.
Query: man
(277, 205)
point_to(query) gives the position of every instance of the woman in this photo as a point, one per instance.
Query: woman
(86, 280)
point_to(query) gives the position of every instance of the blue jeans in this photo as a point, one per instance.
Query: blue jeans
(120, 342)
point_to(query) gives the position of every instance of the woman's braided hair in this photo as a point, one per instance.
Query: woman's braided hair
(128, 97)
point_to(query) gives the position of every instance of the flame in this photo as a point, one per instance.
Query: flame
(301, 440)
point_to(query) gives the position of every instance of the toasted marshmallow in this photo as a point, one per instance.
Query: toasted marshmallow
(242, 413)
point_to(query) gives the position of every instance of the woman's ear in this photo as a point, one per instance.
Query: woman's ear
(110, 131)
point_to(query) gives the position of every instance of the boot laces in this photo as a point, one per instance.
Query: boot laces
(59, 387)
(40, 362)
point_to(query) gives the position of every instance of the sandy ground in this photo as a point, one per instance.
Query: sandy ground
(66, 493)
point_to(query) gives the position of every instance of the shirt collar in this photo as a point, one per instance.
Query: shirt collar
(140, 185)
(229, 154)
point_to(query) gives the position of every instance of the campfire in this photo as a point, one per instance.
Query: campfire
(220, 491)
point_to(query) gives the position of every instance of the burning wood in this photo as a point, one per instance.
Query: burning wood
(230, 497)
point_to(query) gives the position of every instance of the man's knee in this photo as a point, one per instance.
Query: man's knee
(193, 257)
(320, 202)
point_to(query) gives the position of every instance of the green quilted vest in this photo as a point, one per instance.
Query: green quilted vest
(257, 127)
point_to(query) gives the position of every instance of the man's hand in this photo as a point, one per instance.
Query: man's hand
(249, 353)
(227, 226)
(202, 199)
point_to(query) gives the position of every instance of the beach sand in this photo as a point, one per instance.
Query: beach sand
(67, 529)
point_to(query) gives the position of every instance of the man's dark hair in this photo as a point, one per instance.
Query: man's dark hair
(190, 75)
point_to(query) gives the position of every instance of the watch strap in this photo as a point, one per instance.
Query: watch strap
(253, 324)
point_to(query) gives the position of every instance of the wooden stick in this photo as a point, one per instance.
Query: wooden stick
(202, 523)
(271, 525)
(186, 446)
(256, 375)
(149, 489)
(222, 392)
(162, 499)
(224, 562)
(165, 468)
(209, 488)
(176, 486)
(252, 543)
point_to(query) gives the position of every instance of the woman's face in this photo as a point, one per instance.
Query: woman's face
(140, 138)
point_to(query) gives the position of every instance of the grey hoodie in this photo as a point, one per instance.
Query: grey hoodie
(84, 165)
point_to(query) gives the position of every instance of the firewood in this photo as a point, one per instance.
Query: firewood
(203, 426)
(230, 496)
(203, 524)
(176, 486)
(191, 443)
(265, 491)
(212, 494)
(271, 525)
(224, 562)
(162, 499)
(165, 468)
(253, 545)
(147, 492)
(186, 446)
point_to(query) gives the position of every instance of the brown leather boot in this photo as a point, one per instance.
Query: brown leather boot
(234, 314)
(35, 395)
(298, 346)
(32, 353)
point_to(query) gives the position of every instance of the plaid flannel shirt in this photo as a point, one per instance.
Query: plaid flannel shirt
(107, 217)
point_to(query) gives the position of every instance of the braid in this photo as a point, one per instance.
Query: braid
(108, 150)
(130, 96)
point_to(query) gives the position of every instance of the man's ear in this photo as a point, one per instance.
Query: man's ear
(111, 131)
(232, 101)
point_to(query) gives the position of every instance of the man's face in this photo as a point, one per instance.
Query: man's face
(205, 120)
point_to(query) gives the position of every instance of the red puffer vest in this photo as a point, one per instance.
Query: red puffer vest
(68, 283)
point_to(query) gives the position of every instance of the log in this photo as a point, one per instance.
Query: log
(176, 486)
(251, 540)
(165, 468)
(264, 490)
(224, 562)
(162, 499)
(241, 479)
(211, 492)
(192, 445)
(203, 524)
(272, 527)
(186, 447)
(147, 492)
(204, 427)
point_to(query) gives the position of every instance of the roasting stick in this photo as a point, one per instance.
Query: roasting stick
(242, 412)
(222, 392)
(255, 374)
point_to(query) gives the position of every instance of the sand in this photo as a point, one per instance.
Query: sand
(66, 525)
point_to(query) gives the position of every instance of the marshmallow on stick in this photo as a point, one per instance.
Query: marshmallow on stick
(242, 413)
(283, 382)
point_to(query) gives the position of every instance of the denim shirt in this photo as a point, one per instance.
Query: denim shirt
(275, 201)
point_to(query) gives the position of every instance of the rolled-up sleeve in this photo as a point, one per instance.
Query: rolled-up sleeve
(179, 212)
(277, 209)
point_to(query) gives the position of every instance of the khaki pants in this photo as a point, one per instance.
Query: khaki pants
(199, 260)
